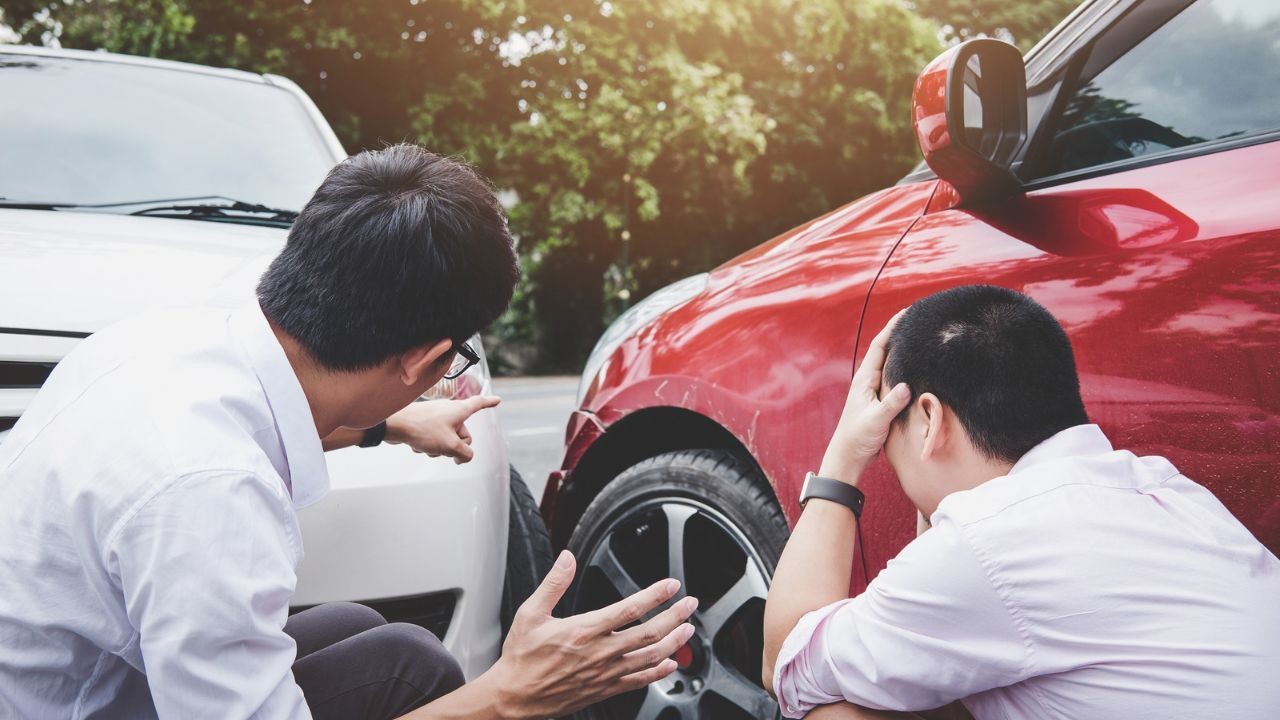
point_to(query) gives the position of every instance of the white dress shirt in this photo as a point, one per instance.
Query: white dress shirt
(1087, 583)
(148, 536)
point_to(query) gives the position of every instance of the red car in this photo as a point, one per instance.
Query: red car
(1127, 176)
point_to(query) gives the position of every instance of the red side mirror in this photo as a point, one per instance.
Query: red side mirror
(969, 113)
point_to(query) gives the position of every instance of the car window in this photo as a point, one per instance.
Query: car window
(1209, 73)
(93, 132)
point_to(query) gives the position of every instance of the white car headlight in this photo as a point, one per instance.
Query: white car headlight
(639, 315)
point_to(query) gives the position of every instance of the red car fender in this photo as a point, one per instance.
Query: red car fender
(731, 412)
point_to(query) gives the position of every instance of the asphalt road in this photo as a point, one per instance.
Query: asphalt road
(534, 412)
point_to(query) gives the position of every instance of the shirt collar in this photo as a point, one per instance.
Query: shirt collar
(1073, 442)
(306, 472)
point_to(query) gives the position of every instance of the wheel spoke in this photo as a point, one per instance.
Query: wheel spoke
(608, 563)
(655, 701)
(729, 684)
(677, 517)
(713, 669)
(750, 585)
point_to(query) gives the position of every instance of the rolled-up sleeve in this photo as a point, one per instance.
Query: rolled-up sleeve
(932, 628)
(207, 568)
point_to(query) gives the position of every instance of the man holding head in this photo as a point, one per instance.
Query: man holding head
(148, 536)
(1060, 578)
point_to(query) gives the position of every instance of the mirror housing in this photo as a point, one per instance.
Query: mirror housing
(969, 113)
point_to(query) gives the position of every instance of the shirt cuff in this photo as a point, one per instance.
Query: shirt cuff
(802, 663)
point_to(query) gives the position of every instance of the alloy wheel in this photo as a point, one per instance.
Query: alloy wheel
(719, 669)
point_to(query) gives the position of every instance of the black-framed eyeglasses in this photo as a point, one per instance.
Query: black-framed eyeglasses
(463, 360)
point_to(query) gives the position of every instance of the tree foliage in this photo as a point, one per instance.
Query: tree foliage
(637, 142)
(1023, 23)
(662, 138)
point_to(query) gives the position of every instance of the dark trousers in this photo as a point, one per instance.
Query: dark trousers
(353, 665)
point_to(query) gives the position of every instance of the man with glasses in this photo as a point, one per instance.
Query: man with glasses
(148, 535)
(436, 429)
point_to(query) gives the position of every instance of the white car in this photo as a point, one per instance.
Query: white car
(128, 184)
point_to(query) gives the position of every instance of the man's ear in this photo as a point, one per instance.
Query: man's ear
(933, 412)
(420, 362)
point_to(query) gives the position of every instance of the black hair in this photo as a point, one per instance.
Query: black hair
(997, 359)
(397, 248)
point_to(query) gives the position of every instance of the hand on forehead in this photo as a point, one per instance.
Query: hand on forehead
(879, 352)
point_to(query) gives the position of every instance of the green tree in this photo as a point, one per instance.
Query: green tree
(663, 138)
(1023, 22)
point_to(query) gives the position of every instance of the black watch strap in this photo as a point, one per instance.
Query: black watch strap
(374, 436)
(833, 490)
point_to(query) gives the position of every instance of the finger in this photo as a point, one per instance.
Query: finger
(460, 451)
(631, 609)
(464, 433)
(877, 351)
(894, 402)
(880, 343)
(544, 598)
(473, 405)
(657, 627)
(635, 681)
(647, 657)
(882, 337)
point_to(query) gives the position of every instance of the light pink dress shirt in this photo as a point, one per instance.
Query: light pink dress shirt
(1086, 583)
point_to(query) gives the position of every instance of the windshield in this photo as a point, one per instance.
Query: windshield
(86, 133)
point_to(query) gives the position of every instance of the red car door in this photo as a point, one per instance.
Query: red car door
(1150, 227)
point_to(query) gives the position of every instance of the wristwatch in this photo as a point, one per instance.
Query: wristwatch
(374, 436)
(833, 490)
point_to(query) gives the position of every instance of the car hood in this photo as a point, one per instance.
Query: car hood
(77, 271)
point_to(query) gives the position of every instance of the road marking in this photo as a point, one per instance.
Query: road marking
(564, 400)
(544, 430)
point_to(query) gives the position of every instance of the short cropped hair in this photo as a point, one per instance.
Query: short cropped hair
(398, 247)
(997, 359)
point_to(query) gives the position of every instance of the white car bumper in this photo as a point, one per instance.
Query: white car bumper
(397, 525)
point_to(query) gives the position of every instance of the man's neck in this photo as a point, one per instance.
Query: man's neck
(985, 470)
(324, 395)
(977, 470)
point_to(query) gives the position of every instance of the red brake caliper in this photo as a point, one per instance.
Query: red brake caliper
(683, 657)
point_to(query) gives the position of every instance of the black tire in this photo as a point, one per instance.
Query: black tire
(529, 554)
(730, 533)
